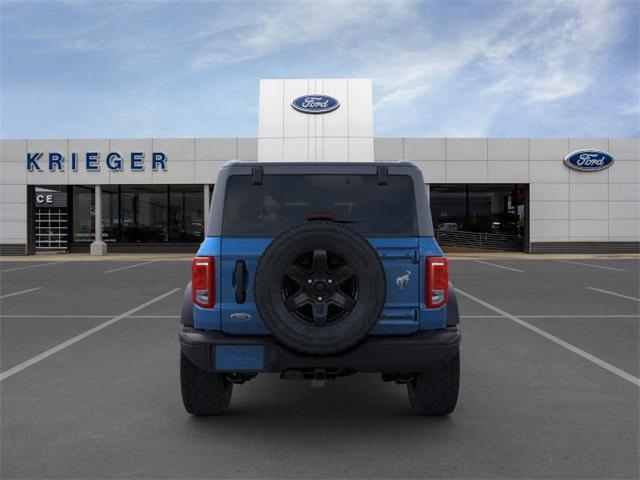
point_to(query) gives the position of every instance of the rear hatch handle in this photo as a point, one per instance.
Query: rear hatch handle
(239, 275)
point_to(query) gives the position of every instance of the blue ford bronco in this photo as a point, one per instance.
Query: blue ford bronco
(317, 271)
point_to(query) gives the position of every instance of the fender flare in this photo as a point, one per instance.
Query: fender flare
(186, 308)
(453, 314)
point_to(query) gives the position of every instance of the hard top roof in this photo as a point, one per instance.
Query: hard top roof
(323, 165)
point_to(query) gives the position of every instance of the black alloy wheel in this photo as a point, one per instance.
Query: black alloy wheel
(320, 287)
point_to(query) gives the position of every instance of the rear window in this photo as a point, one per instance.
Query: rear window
(283, 201)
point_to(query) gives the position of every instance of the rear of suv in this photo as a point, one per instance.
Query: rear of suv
(317, 271)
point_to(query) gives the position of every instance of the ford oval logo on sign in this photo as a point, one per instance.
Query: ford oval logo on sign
(315, 104)
(588, 160)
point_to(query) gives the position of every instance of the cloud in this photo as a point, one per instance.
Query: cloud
(439, 68)
(531, 54)
(554, 55)
(284, 26)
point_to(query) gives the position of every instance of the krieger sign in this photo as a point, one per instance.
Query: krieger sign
(91, 161)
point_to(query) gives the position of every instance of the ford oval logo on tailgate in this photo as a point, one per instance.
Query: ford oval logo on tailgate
(588, 160)
(315, 104)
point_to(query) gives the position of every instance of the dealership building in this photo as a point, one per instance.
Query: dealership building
(153, 194)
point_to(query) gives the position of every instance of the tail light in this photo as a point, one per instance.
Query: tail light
(202, 281)
(437, 285)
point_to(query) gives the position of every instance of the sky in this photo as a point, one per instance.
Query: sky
(86, 69)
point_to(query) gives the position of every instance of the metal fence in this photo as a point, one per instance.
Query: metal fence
(492, 241)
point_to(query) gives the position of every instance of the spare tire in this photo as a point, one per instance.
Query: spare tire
(320, 287)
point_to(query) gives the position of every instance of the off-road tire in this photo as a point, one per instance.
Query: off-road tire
(203, 393)
(435, 393)
(353, 326)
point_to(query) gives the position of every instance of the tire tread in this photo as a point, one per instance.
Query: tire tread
(203, 393)
(436, 393)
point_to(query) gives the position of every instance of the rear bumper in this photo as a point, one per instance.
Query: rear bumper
(421, 352)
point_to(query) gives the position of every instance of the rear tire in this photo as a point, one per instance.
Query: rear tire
(436, 393)
(203, 393)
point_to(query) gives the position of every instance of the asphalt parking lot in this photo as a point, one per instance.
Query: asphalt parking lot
(549, 389)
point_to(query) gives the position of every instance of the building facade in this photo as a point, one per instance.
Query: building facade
(345, 133)
(153, 194)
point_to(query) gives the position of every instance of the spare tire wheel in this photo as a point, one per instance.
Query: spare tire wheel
(320, 287)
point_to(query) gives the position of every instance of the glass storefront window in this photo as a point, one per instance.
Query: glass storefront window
(144, 214)
(82, 207)
(448, 206)
(496, 209)
(186, 213)
(84, 213)
(110, 213)
(461, 212)
(141, 213)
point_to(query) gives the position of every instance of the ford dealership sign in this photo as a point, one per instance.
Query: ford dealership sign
(91, 161)
(315, 104)
(588, 160)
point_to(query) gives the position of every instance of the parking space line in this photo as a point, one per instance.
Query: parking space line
(86, 316)
(602, 267)
(499, 266)
(38, 358)
(614, 294)
(578, 316)
(130, 266)
(548, 316)
(32, 266)
(20, 292)
(56, 316)
(572, 348)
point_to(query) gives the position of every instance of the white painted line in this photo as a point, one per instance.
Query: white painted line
(602, 267)
(57, 316)
(549, 316)
(87, 316)
(614, 294)
(32, 361)
(572, 348)
(499, 266)
(20, 292)
(130, 266)
(578, 316)
(32, 266)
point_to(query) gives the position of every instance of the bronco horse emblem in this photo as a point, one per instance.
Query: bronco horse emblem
(402, 280)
